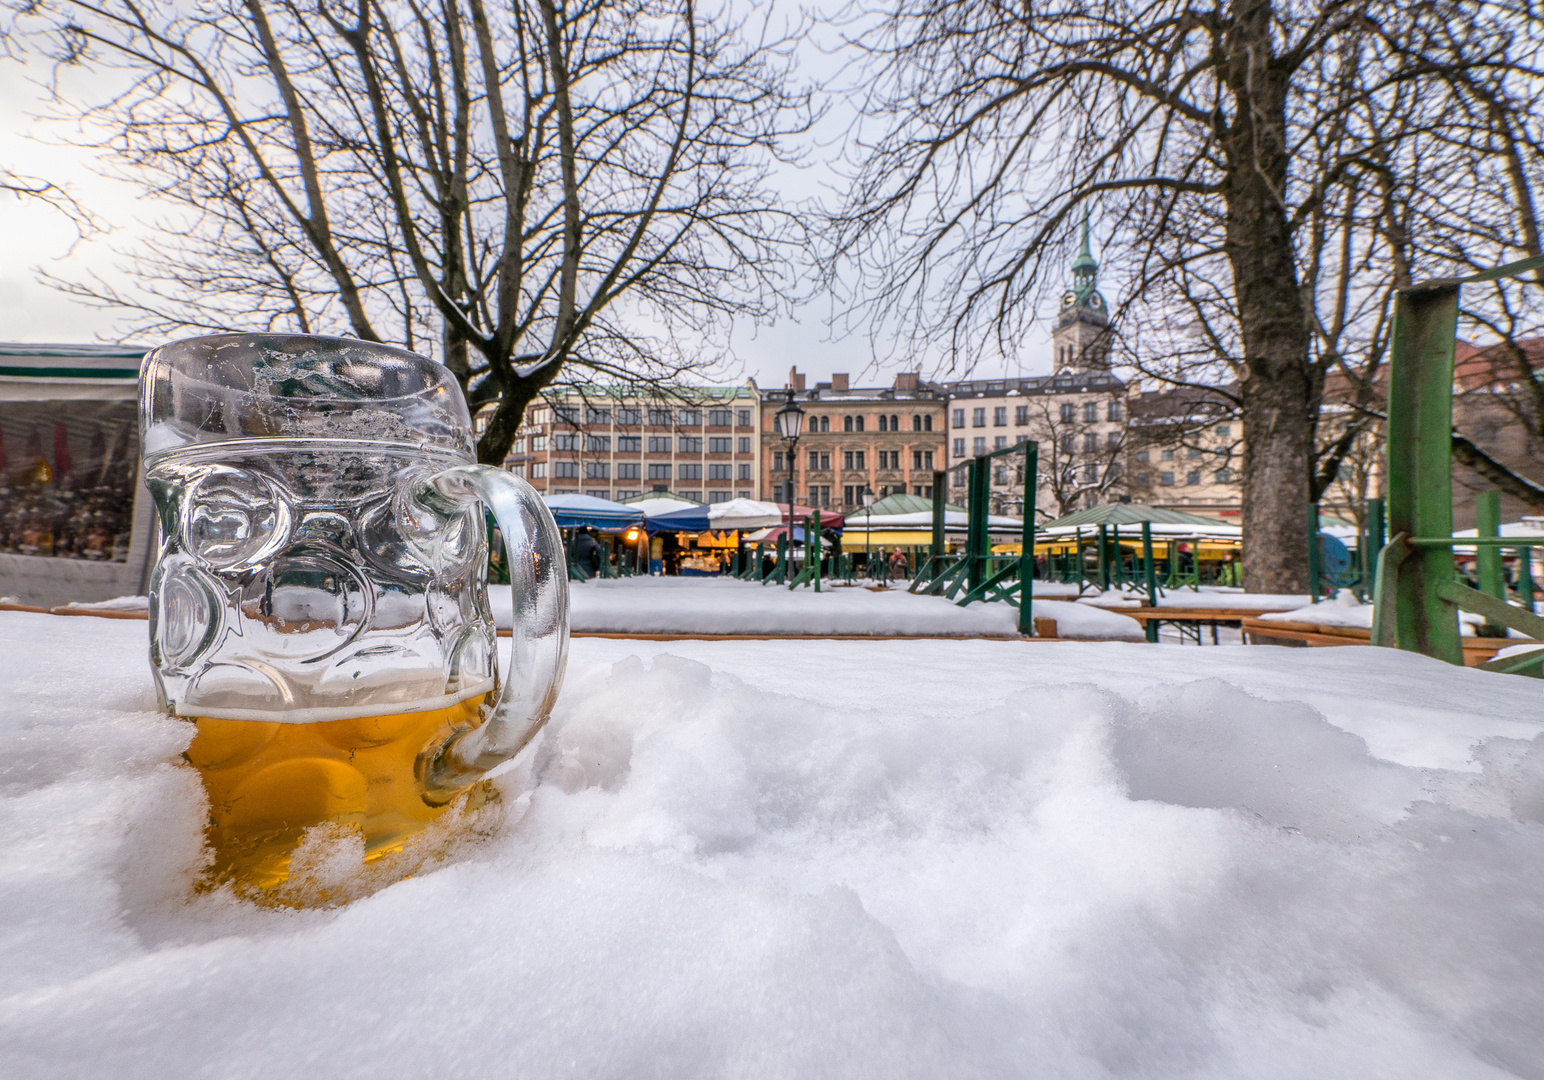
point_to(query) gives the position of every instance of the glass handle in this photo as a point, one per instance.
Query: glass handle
(538, 581)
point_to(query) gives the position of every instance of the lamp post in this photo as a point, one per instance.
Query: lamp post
(790, 420)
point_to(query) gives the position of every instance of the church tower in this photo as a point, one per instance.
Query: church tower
(1081, 337)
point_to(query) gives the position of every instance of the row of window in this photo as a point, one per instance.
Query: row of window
(819, 425)
(856, 459)
(592, 415)
(1192, 454)
(633, 444)
(978, 444)
(1069, 413)
(629, 470)
(1192, 478)
(852, 495)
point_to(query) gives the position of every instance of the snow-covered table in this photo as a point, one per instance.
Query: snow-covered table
(822, 859)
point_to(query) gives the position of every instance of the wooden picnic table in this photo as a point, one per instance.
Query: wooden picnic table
(1258, 631)
(1190, 620)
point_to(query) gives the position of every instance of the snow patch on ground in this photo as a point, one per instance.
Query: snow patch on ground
(671, 605)
(822, 859)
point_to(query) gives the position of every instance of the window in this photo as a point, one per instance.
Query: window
(884, 422)
(1090, 473)
(720, 417)
(742, 494)
(745, 444)
(629, 444)
(849, 495)
(659, 417)
(1166, 455)
(1193, 453)
(745, 471)
(628, 416)
(1224, 431)
(659, 472)
(691, 418)
(719, 496)
(689, 472)
(1091, 443)
(847, 459)
(1020, 415)
(1144, 479)
(959, 418)
(628, 470)
(825, 495)
(1000, 443)
(959, 448)
(846, 423)
(722, 446)
(566, 469)
(742, 418)
(825, 423)
(689, 444)
(1066, 444)
(777, 461)
(857, 423)
(825, 460)
(978, 418)
(593, 415)
(538, 470)
(916, 422)
(1000, 416)
(627, 493)
(978, 445)
(859, 457)
(1112, 440)
(1069, 412)
(1193, 477)
(1224, 476)
(814, 459)
(922, 459)
(1112, 413)
(598, 443)
(538, 443)
(691, 495)
(565, 442)
(566, 414)
(1166, 479)
(720, 472)
(1090, 411)
(1000, 475)
(659, 444)
(597, 470)
(1142, 457)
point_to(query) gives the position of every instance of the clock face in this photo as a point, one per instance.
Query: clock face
(1095, 300)
(1069, 298)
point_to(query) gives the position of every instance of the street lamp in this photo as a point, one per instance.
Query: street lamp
(790, 420)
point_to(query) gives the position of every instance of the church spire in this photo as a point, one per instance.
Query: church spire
(1085, 270)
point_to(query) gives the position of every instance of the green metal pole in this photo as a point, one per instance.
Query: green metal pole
(1027, 541)
(1377, 536)
(1077, 555)
(1313, 553)
(1525, 576)
(1150, 574)
(1104, 563)
(812, 536)
(1419, 459)
(1487, 522)
(974, 507)
(782, 557)
(940, 546)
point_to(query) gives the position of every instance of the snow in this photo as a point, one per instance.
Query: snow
(117, 603)
(671, 605)
(822, 859)
(1345, 610)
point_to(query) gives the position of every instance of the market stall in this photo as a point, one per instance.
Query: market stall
(75, 518)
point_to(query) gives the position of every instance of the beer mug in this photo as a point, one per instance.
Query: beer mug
(319, 602)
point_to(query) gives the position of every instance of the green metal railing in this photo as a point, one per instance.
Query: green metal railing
(1416, 595)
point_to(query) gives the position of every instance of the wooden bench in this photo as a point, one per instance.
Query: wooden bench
(1259, 631)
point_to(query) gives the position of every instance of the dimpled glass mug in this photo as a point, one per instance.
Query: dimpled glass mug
(319, 603)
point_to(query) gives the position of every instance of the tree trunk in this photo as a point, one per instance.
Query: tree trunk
(1277, 389)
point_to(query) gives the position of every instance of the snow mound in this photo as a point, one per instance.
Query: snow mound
(822, 859)
(669, 605)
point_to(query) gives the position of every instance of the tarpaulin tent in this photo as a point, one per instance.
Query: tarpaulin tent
(693, 519)
(744, 514)
(573, 511)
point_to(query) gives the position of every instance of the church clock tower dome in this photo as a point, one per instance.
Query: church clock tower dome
(1081, 336)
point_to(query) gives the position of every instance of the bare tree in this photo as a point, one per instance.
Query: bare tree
(527, 186)
(1069, 472)
(1273, 170)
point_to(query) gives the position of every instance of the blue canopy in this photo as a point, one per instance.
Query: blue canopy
(572, 511)
(693, 519)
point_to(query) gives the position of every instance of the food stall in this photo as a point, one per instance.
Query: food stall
(75, 518)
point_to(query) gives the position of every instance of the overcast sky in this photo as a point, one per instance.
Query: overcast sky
(38, 239)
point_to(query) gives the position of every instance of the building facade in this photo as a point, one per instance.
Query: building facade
(886, 439)
(699, 443)
(1185, 447)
